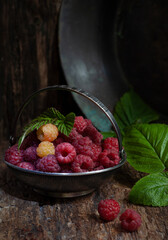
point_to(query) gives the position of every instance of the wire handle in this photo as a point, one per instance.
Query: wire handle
(97, 102)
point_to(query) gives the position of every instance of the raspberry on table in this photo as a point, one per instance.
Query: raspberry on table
(45, 148)
(65, 153)
(130, 220)
(80, 124)
(82, 163)
(30, 154)
(109, 158)
(108, 209)
(26, 165)
(48, 163)
(111, 143)
(14, 155)
(93, 134)
(47, 132)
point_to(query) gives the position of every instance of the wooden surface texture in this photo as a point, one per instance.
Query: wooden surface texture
(26, 215)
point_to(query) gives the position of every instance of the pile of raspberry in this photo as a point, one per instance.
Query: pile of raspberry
(109, 209)
(48, 150)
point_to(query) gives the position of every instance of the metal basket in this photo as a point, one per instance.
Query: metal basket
(66, 184)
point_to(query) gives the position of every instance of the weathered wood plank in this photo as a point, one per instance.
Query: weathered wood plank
(27, 49)
(26, 215)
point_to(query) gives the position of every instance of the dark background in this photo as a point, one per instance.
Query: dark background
(29, 59)
(29, 56)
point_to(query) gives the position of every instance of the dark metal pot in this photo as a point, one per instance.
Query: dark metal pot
(108, 46)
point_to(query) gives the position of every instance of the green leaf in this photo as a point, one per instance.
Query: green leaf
(51, 115)
(68, 123)
(146, 146)
(151, 190)
(131, 109)
(108, 134)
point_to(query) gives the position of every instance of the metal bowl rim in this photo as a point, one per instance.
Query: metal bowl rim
(123, 160)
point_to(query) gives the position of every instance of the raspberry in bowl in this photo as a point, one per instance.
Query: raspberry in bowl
(65, 156)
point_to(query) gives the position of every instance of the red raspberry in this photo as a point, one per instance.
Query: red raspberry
(80, 124)
(83, 146)
(30, 154)
(82, 163)
(110, 143)
(108, 209)
(73, 136)
(65, 153)
(26, 165)
(98, 168)
(13, 155)
(30, 140)
(130, 220)
(58, 141)
(109, 158)
(93, 134)
(48, 164)
(96, 149)
(66, 168)
(88, 122)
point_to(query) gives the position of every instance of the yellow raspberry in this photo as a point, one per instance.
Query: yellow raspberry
(47, 132)
(45, 148)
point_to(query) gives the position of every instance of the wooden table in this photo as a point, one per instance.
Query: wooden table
(26, 215)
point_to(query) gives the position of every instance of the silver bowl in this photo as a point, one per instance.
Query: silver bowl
(66, 184)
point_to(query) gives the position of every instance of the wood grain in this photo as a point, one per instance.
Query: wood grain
(25, 215)
(29, 57)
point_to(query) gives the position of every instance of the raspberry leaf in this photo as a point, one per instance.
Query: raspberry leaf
(108, 134)
(151, 190)
(51, 115)
(146, 146)
(131, 109)
(65, 126)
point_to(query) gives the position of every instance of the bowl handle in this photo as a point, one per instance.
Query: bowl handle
(81, 92)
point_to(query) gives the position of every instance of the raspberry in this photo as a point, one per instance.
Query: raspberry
(73, 136)
(45, 148)
(93, 134)
(109, 158)
(66, 168)
(65, 153)
(30, 154)
(30, 140)
(80, 124)
(48, 164)
(108, 209)
(13, 155)
(82, 163)
(130, 220)
(110, 143)
(47, 132)
(26, 165)
(96, 149)
(58, 141)
(83, 146)
(88, 122)
(98, 168)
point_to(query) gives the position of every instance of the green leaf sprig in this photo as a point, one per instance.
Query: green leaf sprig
(51, 115)
(146, 146)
